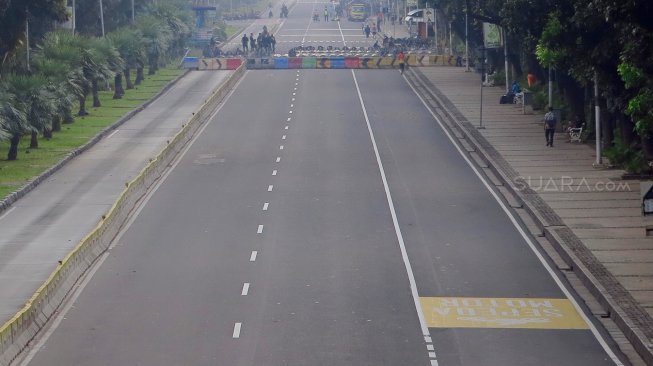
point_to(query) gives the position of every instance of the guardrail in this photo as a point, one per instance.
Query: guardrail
(16, 333)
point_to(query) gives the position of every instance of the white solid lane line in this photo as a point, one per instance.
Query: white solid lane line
(252, 257)
(245, 290)
(237, 327)
(260, 229)
(265, 206)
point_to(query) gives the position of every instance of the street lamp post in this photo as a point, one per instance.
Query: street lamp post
(102, 18)
(466, 42)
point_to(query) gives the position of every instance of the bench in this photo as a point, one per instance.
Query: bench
(575, 134)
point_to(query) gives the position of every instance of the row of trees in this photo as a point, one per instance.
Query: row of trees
(40, 92)
(586, 41)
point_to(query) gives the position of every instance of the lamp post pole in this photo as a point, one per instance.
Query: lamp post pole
(133, 13)
(466, 42)
(102, 18)
(597, 120)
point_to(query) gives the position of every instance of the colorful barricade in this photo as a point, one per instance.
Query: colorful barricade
(352, 62)
(191, 63)
(309, 62)
(323, 63)
(368, 62)
(281, 62)
(260, 63)
(215, 63)
(386, 63)
(327, 62)
(295, 62)
(337, 62)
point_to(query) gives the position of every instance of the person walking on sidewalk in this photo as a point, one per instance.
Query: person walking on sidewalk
(550, 121)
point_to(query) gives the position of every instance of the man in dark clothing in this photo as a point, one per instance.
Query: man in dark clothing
(367, 31)
(245, 42)
(550, 121)
(252, 42)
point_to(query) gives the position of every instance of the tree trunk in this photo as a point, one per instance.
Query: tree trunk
(607, 125)
(627, 128)
(56, 125)
(119, 91)
(34, 141)
(128, 79)
(82, 107)
(139, 76)
(68, 117)
(96, 96)
(13, 147)
(47, 133)
(151, 69)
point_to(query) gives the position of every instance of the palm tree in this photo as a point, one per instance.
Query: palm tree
(13, 123)
(157, 39)
(130, 44)
(110, 64)
(62, 86)
(38, 102)
(67, 48)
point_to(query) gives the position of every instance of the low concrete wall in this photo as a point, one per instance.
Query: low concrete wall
(21, 329)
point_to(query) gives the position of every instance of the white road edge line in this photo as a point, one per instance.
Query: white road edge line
(7, 212)
(68, 303)
(252, 257)
(112, 133)
(395, 221)
(245, 290)
(237, 327)
(521, 231)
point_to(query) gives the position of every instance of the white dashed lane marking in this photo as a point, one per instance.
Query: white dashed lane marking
(237, 327)
(252, 257)
(245, 290)
(283, 137)
(260, 229)
(274, 172)
(278, 159)
(281, 147)
(265, 206)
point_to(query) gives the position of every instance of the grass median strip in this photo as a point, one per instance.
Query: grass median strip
(32, 162)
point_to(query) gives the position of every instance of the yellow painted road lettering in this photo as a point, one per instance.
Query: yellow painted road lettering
(468, 312)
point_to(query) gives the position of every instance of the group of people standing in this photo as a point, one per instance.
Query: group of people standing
(263, 45)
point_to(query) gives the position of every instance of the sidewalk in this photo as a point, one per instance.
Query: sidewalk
(590, 216)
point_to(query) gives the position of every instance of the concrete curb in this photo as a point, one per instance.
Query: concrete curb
(17, 333)
(29, 186)
(619, 303)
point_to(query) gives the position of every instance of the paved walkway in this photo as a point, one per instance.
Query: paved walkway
(592, 213)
